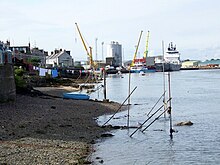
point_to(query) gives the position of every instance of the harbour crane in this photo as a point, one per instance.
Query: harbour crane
(89, 52)
(135, 54)
(146, 50)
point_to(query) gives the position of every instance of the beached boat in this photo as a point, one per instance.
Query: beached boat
(76, 96)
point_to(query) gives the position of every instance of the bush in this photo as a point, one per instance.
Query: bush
(19, 78)
(19, 71)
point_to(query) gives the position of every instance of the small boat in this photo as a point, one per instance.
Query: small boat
(142, 73)
(76, 96)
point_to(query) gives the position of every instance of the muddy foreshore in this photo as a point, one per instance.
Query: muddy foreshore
(50, 130)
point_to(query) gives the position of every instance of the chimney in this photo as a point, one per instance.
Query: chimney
(68, 52)
(56, 51)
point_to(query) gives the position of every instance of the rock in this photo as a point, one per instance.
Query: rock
(87, 162)
(184, 123)
(72, 161)
(92, 142)
(107, 135)
(105, 100)
(116, 127)
(101, 161)
(53, 107)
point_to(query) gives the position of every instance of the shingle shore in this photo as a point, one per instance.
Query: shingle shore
(47, 130)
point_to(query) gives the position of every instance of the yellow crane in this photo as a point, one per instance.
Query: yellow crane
(135, 54)
(146, 51)
(89, 52)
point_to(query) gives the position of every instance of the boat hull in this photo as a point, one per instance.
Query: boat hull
(144, 70)
(76, 96)
(168, 67)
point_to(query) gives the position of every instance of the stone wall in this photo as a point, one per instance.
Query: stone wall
(7, 83)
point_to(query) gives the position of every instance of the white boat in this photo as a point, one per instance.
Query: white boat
(142, 73)
(170, 61)
(140, 67)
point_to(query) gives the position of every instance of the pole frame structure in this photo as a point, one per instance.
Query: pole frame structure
(120, 106)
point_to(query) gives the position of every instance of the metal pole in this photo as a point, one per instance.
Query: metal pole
(170, 108)
(120, 106)
(104, 75)
(129, 91)
(156, 118)
(164, 82)
(155, 104)
(102, 52)
(96, 51)
(146, 120)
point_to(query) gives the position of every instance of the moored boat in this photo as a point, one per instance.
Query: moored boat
(138, 69)
(170, 61)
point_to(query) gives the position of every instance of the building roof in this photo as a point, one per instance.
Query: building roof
(217, 61)
(54, 56)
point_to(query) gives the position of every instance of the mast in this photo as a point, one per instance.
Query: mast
(96, 51)
(164, 82)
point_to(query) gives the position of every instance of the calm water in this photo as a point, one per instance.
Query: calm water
(195, 97)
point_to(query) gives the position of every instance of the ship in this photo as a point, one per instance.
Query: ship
(170, 61)
(140, 64)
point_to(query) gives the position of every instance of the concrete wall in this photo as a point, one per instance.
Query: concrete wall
(7, 83)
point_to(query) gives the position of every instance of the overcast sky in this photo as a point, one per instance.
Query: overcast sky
(193, 25)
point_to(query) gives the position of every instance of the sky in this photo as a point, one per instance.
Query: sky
(192, 25)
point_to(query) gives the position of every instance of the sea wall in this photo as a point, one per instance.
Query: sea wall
(7, 83)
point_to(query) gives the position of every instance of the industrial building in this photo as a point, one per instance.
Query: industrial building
(114, 52)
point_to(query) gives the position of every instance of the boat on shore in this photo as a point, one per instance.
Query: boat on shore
(76, 96)
(170, 61)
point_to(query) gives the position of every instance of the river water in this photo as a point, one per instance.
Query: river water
(195, 97)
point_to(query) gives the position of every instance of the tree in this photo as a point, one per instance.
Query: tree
(34, 61)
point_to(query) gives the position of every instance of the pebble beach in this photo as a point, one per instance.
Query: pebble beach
(50, 130)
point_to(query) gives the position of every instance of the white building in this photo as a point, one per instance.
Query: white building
(60, 58)
(115, 50)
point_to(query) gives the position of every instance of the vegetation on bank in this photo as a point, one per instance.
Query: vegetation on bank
(26, 80)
